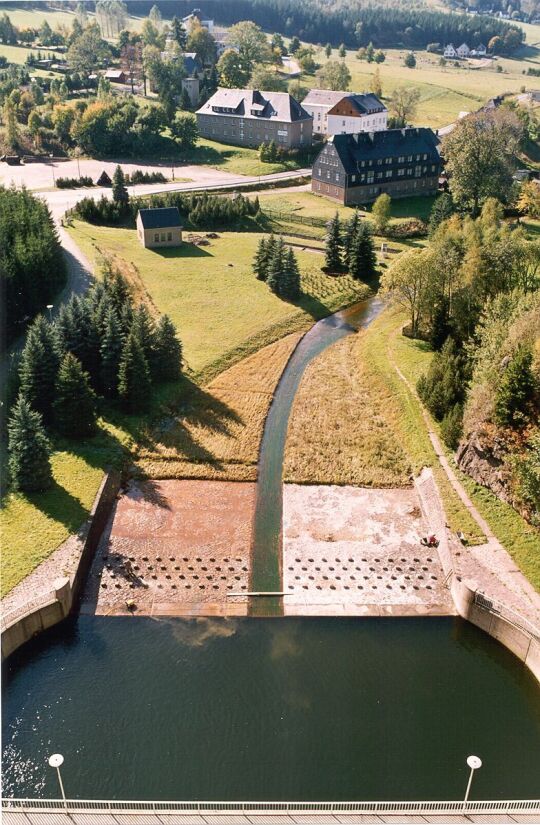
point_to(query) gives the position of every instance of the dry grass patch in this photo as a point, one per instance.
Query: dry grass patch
(343, 428)
(217, 431)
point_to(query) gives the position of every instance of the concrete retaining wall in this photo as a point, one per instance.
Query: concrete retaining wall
(65, 592)
(517, 639)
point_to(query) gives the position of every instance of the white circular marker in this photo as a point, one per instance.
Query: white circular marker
(56, 760)
(474, 762)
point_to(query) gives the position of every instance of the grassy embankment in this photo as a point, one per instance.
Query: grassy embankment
(212, 427)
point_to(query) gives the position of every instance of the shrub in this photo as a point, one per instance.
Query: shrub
(74, 183)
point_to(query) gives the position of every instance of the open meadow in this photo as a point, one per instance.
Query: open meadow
(222, 312)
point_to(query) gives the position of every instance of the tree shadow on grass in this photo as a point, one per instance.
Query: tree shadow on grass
(61, 506)
(193, 408)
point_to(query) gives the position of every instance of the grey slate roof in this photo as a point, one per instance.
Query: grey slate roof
(162, 218)
(365, 104)
(352, 149)
(278, 106)
(323, 97)
(192, 64)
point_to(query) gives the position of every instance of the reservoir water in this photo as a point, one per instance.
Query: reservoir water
(269, 709)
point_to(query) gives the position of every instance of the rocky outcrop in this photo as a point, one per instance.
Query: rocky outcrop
(483, 459)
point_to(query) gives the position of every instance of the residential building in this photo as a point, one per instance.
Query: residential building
(479, 51)
(194, 70)
(357, 113)
(197, 16)
(336, 113)
(159, 227)
(356, 169)
(247, 117)
(463, 51)
(449, 51)
(317, 104)
(116, 76)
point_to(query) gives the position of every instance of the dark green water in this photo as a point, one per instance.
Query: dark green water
(269, 709)
(266, 550)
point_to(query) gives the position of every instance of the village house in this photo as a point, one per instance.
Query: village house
(463, 51)
(247, 117)
(356, 169)
(197, 17)
(337, 113)
(116, 76)
(159, 227)
(193, 68)
(449, 51)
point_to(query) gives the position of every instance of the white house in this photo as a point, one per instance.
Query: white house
(357, 113)
(479, 51)
(463, 51)
(196, 15)
(449, 51)
(318, 103)
(339, 113)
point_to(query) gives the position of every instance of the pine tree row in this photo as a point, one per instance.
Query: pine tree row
(276, 264)
(99, 345)
(350, 248)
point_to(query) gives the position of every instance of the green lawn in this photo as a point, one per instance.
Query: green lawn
(309, 205)
(24, 18)
(238, 160)
(18, 54)
(220, 309)
(412, 357)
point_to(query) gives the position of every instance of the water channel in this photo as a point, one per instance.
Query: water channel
(266, 708)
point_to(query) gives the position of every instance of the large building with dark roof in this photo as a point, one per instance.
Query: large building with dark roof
(247, 117)
(356, 169)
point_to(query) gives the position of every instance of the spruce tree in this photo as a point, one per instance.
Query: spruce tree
(119, 190)
(333, 245)
(75, 402)
(117, 288)
(362, 257)
(290, 287)
(350, 232)
(134, 387)
(143, 328)
(275, 267)
(260, 261)
(112, 343)
(38, 366)
(167, 351)
(28, 449)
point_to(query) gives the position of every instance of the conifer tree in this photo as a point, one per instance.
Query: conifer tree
(112, 343)
(38, 366)
(260, 261)
(75, 402)
(290, 287)
(362, 257)
(117, 288)
(333, 245)
(143, 328)
(167, 351)
(28, 449)
(134, 385)
(275, 267)
(119, 189)
(350, 232)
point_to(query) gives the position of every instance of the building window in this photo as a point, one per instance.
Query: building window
(401, 173)
(389, 173)
(370, 177)
(353, 178)
(163, 236)
(156, 237)
(401, 159)
(169, 236)
(417, 171)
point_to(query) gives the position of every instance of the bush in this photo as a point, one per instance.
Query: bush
(452, 427)
(138, 176)
(74, 183)
(412, 228)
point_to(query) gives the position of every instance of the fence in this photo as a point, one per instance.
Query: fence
(292, 217)
(513, 806)
(507, 614)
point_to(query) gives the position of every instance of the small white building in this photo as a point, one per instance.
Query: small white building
(463, 51)
(480, 50)
(449, 51)
(340, 113)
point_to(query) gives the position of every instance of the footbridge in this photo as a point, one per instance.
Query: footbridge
(100, 812)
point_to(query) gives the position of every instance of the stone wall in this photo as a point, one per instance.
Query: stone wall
(42, 613)
(510, 631)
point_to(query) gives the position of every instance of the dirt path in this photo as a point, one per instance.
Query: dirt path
(489, 564)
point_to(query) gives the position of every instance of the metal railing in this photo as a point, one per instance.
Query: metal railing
(506, 613)
(523, 806)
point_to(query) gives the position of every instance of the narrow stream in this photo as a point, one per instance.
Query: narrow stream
(266, 549)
